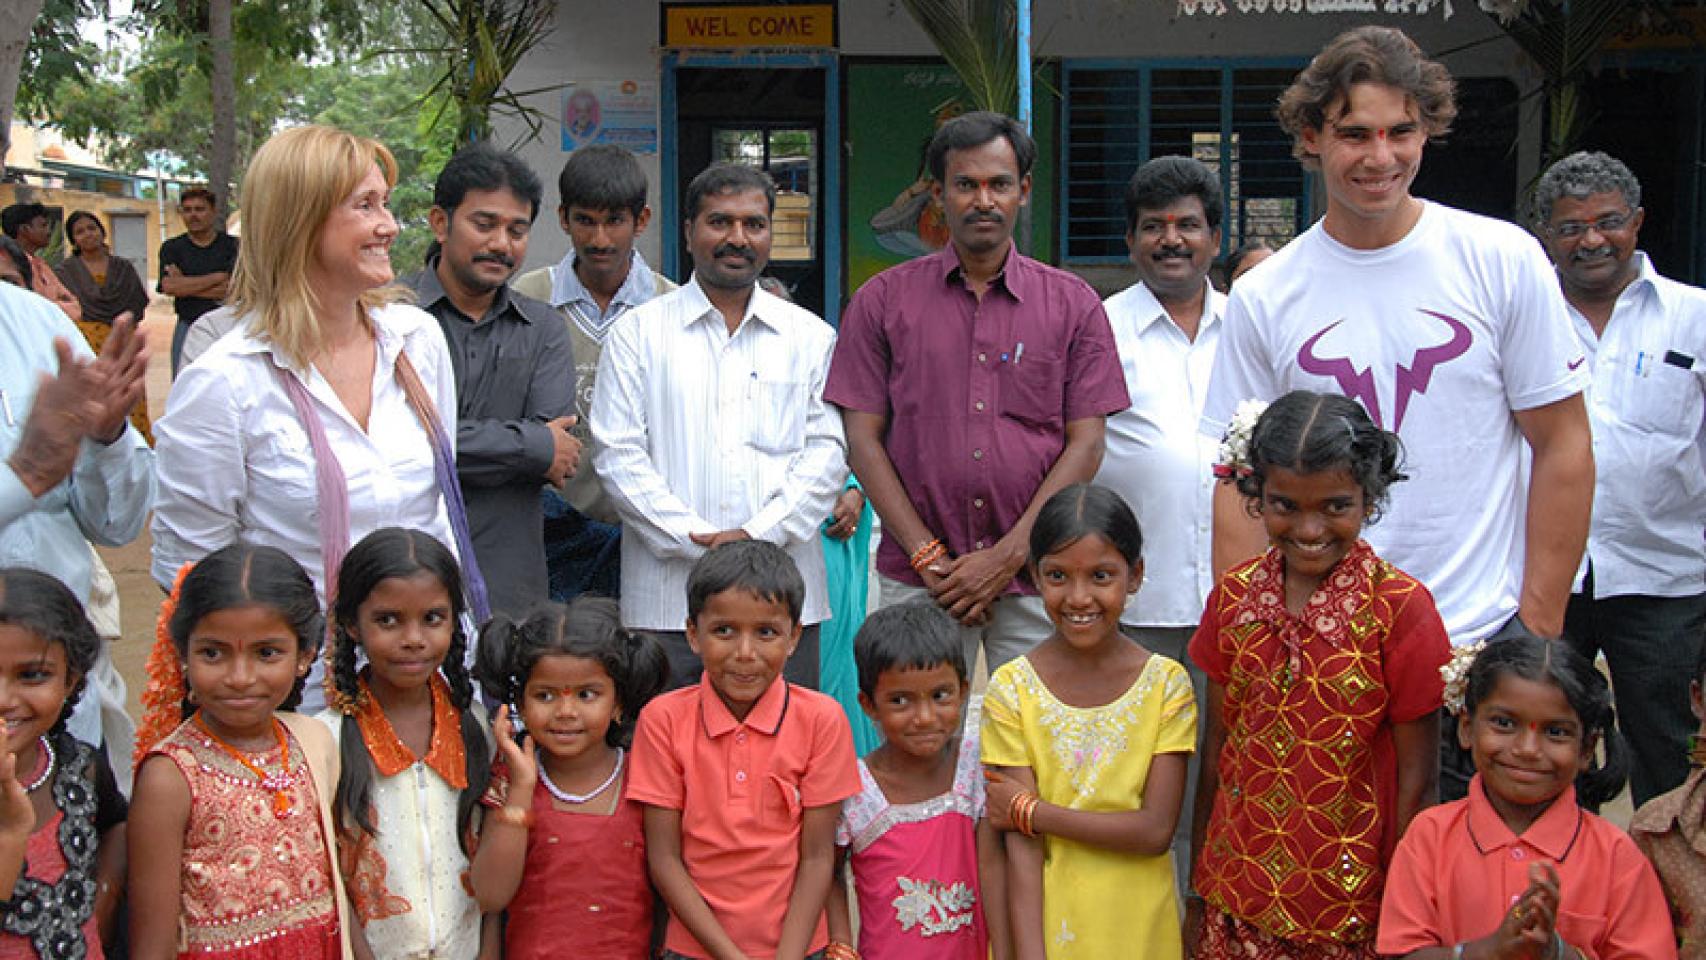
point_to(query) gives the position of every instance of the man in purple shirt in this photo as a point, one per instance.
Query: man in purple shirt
(973, 384)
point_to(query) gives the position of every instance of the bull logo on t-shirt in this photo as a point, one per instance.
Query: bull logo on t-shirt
(1408, 379)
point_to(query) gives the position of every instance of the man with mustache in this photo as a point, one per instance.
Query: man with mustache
(1642, 600)
(515, 373)
(602, 207)
(709, 423)
(973, 383)
(1167, 326)
(1450, 330)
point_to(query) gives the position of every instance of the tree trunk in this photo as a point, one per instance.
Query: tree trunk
(222, 154)
(17, 17)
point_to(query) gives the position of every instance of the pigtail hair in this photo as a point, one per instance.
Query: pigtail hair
(476, 747)
(353, 801)
(1604, 779)
(644, 674)
(495, 658)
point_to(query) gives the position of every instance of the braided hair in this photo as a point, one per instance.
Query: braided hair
(385, 554)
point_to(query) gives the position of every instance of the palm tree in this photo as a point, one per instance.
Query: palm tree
(484, 41)
(980, 40)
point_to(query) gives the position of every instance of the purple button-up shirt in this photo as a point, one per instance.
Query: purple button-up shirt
(978, 393)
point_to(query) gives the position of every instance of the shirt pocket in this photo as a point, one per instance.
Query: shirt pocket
(282, 467)
(778, 415)
(1033, 391)
(782, 804)
(1581, 930)
(1662, 397)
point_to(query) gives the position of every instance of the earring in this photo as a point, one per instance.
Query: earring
(517, 725)
(1696, 751)
(190, 695)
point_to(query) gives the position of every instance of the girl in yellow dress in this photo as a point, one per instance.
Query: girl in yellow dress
(1086, 740)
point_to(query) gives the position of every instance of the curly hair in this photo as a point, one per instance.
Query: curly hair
(1382, 55)
(1581, 175)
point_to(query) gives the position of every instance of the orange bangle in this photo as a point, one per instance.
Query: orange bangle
(513, 816)
(927, 554)
(840, 951)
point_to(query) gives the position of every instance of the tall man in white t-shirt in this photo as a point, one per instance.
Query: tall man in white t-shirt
(1447, 326)
(1642, 600)
(1167, 326)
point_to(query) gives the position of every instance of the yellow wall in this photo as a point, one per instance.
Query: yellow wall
(103, 206)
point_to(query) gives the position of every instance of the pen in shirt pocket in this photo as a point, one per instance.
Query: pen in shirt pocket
(1019, 353)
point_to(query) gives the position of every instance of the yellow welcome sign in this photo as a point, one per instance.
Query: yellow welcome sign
(745, 26)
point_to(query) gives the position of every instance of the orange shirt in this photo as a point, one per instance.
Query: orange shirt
(1459, 868)
(742, 787)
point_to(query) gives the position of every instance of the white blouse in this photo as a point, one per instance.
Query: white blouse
(235, 464)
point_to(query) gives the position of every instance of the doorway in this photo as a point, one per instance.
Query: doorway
(773, 118)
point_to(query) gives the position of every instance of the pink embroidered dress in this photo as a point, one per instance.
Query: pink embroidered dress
(915, 864)
(254, 885)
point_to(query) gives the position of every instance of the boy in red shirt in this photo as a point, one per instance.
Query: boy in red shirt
(743, 774)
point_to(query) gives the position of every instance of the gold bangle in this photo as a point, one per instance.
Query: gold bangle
(514, 816)
(837, 950)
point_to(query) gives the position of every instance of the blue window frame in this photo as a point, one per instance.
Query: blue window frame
(1119, 114)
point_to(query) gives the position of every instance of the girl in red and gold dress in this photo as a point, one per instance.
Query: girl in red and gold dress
(1323, 700)
(231, 829)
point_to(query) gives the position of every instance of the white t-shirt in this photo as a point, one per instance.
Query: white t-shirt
(1439, 336)
(1156, 459)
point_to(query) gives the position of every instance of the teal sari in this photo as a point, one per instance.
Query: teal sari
(848, 565)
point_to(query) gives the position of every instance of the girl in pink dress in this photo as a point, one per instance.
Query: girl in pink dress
(914, 832)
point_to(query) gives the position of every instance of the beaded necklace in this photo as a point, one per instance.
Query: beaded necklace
(577, 798)
(45, 762)
(278, 784)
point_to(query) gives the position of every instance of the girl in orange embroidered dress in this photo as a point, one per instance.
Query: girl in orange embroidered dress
(415, 759)
(229, 841)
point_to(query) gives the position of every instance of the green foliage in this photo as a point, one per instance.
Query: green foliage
(56, 54)
(483, 41)
(980, 40)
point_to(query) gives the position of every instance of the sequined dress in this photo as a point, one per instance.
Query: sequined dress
(1097, 904)
(254, 885)
(915, 864)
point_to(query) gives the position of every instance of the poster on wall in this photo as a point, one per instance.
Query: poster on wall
(892, 213)
(622, 112)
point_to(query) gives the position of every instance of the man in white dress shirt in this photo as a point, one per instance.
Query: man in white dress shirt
(709, 423)
(1642, 600)
(1167, 326)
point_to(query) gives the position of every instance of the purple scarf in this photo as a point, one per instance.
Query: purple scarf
(333, 490)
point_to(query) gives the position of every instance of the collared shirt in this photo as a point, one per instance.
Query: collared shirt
(514, 371)
(696, 430)
(742, 787)
(235, 464)
(1671, 832)
(977, 392)
(1157, 459)
(107, 496)
(1459, 870)
(1647, 406)
(561, 287)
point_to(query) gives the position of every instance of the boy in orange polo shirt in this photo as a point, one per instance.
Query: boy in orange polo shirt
(743, 774)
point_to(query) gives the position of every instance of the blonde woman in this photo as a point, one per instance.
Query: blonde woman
(315, 421)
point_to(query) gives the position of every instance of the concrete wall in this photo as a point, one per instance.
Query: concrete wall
(600, 40)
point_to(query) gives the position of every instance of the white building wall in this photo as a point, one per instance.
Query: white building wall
(605, 40)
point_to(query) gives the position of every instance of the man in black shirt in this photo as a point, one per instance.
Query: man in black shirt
(196, 265)
(515, 372)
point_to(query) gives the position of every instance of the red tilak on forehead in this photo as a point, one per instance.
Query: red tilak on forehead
(1381, 132)
(1172, 218)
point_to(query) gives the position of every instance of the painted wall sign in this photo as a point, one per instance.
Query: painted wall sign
(748, 26)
